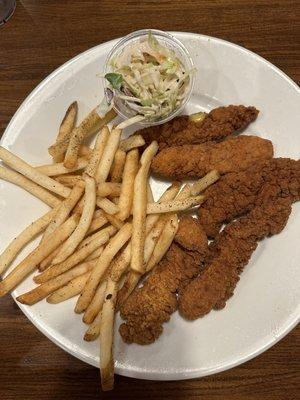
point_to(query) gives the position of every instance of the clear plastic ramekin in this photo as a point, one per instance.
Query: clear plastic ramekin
(167, 40)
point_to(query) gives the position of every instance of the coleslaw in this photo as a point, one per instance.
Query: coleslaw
(149, 78)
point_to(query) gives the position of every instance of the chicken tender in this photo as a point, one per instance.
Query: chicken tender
(217, 125)
(151, 305)
(230, 253)
(190, 235)
(237, 193)
(194, 161)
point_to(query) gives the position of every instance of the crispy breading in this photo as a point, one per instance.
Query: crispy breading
(237, 193)
(230, 253)
(151, 305)
(219, 123)
(190, 235)
(194, 161)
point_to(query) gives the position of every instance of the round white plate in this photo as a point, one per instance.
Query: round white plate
(266, 304)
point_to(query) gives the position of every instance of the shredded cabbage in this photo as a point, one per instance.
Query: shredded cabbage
(149, 78)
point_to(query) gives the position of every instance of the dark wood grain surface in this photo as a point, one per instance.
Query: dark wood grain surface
(41, 36)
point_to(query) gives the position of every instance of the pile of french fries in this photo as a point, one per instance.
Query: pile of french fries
(104, 230)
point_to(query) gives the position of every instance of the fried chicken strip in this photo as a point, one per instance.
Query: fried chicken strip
(151, 305)
(194, 161)
(217, 125)
(230, 253)
(237, 193)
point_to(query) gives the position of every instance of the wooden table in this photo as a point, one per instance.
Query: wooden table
(40, 37)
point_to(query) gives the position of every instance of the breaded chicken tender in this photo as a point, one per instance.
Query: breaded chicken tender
(235, 194)
(217, 125)
(151, 305)
(194, 161)
(190, 235)
(229, 254)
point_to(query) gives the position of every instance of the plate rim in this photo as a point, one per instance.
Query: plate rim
(132, 372)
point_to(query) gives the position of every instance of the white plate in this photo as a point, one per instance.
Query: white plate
(266, 304)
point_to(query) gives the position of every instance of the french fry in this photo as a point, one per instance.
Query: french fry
(150, 198)
(164, 242)
(118, 166)
(60, 169)
(108, 156)
(95, 254)
(106, 205)
(28, 265)
(139, 208)
(79, 206)
(66, 126)
(48, 260)
(152, 238)
(84, 223)
(95, 305)
(78, 256)
(161, 245)
(203, 183)
(168, 233)
(184, 193)
(97, 214)
(31, 187)
(97, 223)
(133, 120)
(111, 249)
(109, 189)
(89, 125)
(132, 142)
(129, 174)
(68, 180)
(42, 291)
(175, 205)
(114, 220)
(64, 209)
(85, 152)
(59, 148)
(131, 281)
(121, 263)
(106, 336)
(100, 144)
(167, 196)
(71, 289)
(30, 172)
(160, 240)
(68, 122)
(12, 250)
(93, 330)
(115, 200)
(151, 241)
(88, 239)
